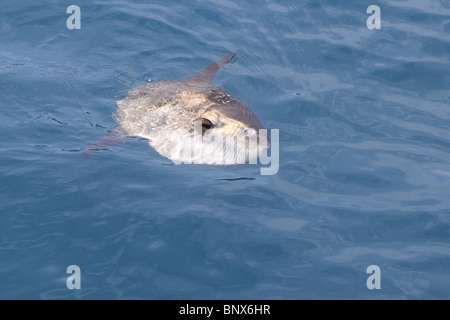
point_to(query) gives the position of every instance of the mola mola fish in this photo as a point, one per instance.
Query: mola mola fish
(190, 121)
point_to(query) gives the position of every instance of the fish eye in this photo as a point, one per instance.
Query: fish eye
(206, 124)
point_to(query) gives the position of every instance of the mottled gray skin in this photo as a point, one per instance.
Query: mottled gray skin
(174, 104)
(167, 112)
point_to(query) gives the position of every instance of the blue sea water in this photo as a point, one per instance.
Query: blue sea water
(364, 176)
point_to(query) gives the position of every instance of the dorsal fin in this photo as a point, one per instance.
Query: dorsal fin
(205, 76)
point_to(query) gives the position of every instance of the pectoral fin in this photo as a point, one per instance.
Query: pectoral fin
(112, 138)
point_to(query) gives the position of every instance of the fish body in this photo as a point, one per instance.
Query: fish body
(192, 121)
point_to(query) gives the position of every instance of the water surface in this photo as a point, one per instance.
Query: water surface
(364, 175)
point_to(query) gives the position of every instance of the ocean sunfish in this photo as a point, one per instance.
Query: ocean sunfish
(190, 121)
